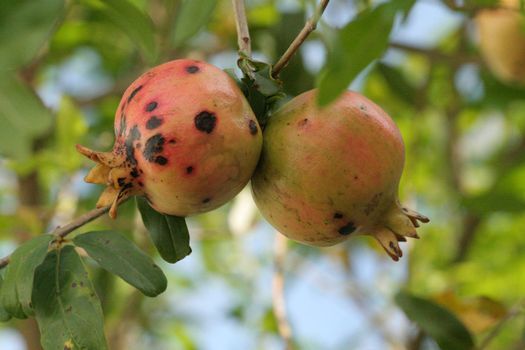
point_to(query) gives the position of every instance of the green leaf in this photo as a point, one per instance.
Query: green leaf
(70, 128)
(356, 46)
(25, 25)
(436, 321)
(262, 91)
(398, 84)
(169, 233)
(4, 315)
(66, 306)
(495, 201)
(137, 25)
(22, 117)
(120, 256)
(192, 16)
(18, 284)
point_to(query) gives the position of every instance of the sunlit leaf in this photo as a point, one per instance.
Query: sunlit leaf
(119, 255)
(25, 25)
(70, 127)
(191, 17)
(169, 233)
(436, 321)
(18, 284)
(66, 306)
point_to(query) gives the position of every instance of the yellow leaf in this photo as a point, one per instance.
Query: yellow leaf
(477, 313)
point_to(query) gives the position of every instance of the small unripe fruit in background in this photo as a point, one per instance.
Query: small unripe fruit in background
(501, 34)
(329, 174)
(186, 139)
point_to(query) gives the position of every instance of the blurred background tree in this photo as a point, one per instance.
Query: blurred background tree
(63, 68)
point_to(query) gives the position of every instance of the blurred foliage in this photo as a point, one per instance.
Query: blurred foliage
(63, 68)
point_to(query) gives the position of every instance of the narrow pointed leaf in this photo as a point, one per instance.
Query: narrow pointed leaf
(119, 255)
(397, 83)
(436, 321)
(191, 17)
(67, 308)
(169, 233)
(18, 284)
(357, 45)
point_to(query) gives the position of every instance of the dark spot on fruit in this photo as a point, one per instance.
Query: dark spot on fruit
(138, 145)
(192, 69)
(347, 229)
(121, 181)
(303, 122)
(172, 141)
(133, 93)
(134, 173)
(141, 184)
(253, 127)
(126, 186)
(161, 160)
(338, 215)
(205, 121)
(206, 200)
(362, 107)
(154, 145)
(189, 170)
(133, 135)
(151, 106)
(153, 122)
(355, 177)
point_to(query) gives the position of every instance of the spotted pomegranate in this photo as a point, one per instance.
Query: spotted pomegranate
(328, 174)
(186, 139)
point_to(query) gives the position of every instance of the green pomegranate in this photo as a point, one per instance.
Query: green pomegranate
(328, 174)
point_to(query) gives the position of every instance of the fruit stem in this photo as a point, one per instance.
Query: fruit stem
(243, 34)
(309, 27)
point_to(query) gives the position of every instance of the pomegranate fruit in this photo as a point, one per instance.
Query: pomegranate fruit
(501, 34)
(186, 139)
(328, 174)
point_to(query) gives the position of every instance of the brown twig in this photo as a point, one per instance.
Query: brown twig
(243, 34)
(437, 55)
(309, 27)
(63, 231)
(279, 304)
